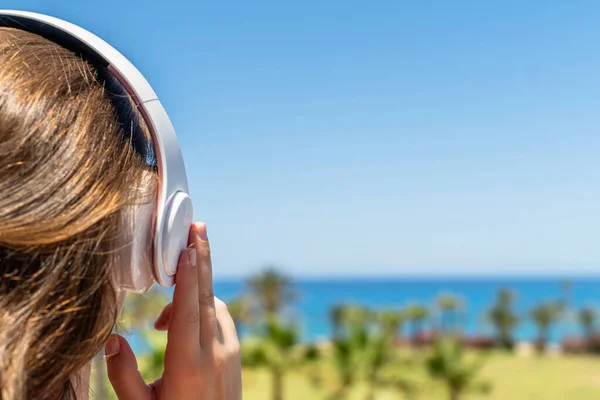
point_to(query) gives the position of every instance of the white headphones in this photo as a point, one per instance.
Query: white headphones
(173, 212)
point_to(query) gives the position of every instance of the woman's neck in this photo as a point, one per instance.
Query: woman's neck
(83, 382)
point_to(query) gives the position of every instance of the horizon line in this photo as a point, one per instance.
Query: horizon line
(429, 277)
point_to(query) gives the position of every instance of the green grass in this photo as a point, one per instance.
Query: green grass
(548, 378)
(512, 378)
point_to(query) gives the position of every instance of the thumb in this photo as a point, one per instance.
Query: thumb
(123, 371)
(164, 319)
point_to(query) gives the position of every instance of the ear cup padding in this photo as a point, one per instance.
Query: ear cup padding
(135, 266)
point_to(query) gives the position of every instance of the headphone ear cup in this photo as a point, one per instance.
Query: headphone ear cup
(134, 265)
(178, 218)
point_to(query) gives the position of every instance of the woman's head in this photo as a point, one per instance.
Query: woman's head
(67, 176)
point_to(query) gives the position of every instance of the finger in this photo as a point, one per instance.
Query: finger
(232, 344)
(228, 331)
(123, 371)
(163, 320)
(184, 329)
(206, 294)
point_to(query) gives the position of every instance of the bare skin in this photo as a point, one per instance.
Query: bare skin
(202, 358)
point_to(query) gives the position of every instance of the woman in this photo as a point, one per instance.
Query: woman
(68, 183)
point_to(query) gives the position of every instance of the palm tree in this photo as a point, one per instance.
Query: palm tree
(449, 364)
(351, 327)
(362, 345)
(451, 307)
(356, 317)
(587, 317)
(390, 322)
(272, 290)
(239, 309)
(343, 356)
(377, 354)
(544, 316)
(336, 317)
(275, 351)
(416, 314)
(503, 318)
(312, 359)
(371, 345)
(347, 325)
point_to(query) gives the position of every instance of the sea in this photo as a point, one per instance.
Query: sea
(315, 297)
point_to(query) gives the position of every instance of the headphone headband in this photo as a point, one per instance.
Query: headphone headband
(173, 186)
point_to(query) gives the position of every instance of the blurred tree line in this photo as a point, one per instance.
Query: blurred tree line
(366, 346)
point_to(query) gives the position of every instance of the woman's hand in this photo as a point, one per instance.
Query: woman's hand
(202, 358)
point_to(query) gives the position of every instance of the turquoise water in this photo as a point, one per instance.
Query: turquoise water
(317, 297)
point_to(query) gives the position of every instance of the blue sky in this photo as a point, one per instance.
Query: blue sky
(399, 138)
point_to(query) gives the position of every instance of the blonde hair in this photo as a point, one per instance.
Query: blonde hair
(65, 178)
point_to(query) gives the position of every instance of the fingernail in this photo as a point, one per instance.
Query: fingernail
(112, 346)
(201, 231)
(192, 256)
